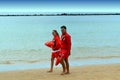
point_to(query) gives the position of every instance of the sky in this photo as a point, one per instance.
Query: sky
(59, 6)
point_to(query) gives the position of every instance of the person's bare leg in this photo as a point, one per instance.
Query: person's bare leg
(67, 66)
(52, 63)
(63, 66)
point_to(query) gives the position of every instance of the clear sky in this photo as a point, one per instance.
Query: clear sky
(59, 6)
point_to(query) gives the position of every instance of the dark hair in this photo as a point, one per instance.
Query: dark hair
(56, 32)
(63, 27)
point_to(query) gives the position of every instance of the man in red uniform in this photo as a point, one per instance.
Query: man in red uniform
(65, 49)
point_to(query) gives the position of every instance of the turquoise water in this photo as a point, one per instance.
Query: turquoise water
(22, 38)
(32, 32)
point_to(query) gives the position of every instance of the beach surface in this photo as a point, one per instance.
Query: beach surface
(91, 72)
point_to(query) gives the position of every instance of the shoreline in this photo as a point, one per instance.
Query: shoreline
(91, 72)
(44, 65)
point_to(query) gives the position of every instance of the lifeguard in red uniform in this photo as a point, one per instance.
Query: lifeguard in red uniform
(65, 50)
(55, 45)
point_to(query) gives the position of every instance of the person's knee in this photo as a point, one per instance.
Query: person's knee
(66, 60)
(61, 61)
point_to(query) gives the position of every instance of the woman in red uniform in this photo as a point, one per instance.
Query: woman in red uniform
(55, 48)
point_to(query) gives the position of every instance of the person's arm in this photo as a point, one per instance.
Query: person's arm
(54, 43)
(68, 43)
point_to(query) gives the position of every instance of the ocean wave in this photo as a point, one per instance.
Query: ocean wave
(102, 57)
(22, 61)
(44, 55)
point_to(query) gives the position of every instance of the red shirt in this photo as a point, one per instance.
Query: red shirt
(56, 41)
(66, 42)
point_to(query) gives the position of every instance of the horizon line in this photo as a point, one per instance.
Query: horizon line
(61, 14)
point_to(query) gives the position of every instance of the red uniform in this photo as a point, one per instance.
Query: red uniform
(56, 47)
(65, 45)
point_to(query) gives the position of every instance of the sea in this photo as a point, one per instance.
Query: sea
(95, 40)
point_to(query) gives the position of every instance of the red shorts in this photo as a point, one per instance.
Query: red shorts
(55, 54)
(64, 53)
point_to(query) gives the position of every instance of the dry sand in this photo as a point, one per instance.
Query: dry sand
(93, 72)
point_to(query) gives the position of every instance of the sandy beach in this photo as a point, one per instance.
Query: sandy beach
(93, 72)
